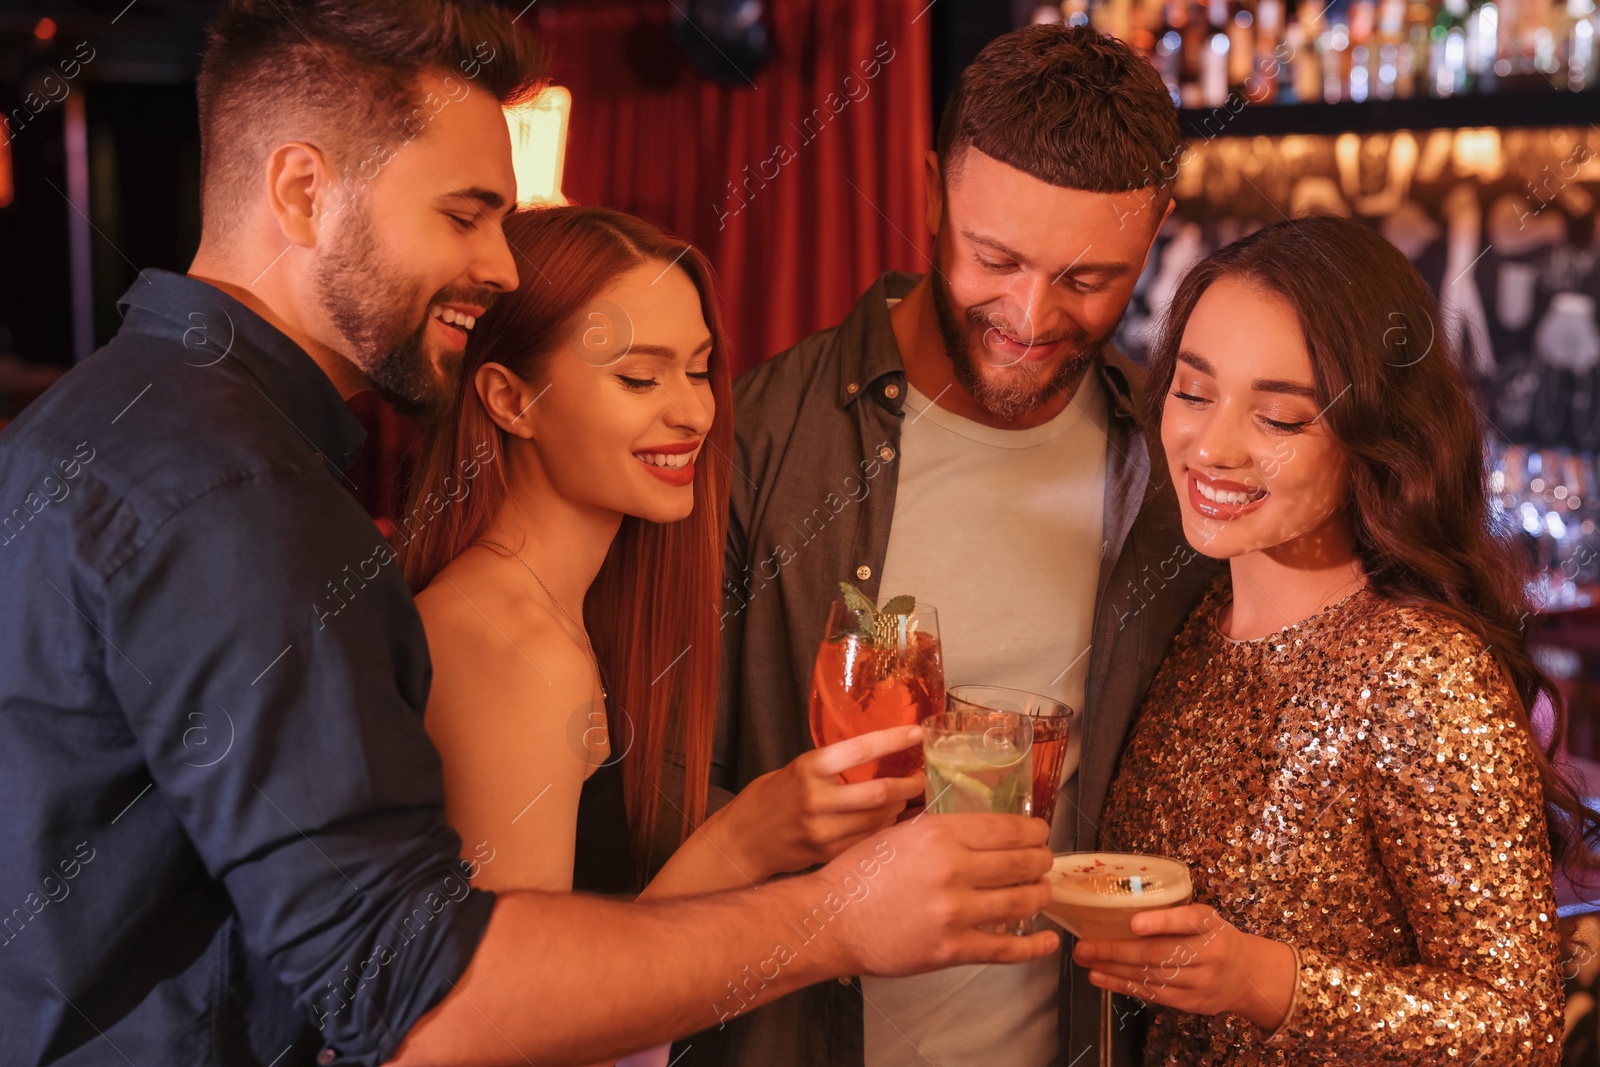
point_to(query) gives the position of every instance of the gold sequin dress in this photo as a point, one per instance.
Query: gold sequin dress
(1353, 785)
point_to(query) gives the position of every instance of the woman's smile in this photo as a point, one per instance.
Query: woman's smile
(673, 464)
(1216, 498)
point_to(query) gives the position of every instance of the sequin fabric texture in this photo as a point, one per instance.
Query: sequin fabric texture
(1354, 785)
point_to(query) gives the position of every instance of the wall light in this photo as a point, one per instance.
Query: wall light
(539, 145)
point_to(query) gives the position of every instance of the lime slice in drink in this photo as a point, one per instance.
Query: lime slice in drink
(972, 787)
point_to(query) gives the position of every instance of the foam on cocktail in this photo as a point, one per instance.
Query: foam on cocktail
(1097, 894)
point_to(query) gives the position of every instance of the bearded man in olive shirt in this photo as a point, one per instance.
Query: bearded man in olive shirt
(1062, 571)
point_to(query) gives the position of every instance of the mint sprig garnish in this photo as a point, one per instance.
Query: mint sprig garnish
(879, 627)
(903, 604)
(856, 600)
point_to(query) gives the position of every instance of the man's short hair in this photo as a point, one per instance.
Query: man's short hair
(343, 75)
(1068, 106)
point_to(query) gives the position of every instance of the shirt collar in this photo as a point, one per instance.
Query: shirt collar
(869, 351)
(866, 338)
(1124, 381)
(215, 327)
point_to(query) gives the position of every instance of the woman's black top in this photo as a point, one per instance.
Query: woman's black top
(602, 860)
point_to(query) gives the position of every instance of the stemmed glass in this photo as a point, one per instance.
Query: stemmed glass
(877, 668)
(1097, 894)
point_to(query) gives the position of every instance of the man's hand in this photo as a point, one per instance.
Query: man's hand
(915, 896)
(802, 814)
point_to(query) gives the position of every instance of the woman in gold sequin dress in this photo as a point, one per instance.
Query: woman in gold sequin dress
(1337, 743)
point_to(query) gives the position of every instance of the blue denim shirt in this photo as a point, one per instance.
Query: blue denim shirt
(223, 837)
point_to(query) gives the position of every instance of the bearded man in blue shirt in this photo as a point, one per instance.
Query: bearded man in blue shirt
(224, 839)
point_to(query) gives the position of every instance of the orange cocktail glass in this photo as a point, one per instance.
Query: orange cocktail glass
(876, 669)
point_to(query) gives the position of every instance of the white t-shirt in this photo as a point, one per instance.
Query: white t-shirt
(1001, 531)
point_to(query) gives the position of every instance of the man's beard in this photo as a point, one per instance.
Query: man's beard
(1028, 386)
(368, 300)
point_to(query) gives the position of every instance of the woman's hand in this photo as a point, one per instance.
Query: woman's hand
(801, 815)
(1194, 960)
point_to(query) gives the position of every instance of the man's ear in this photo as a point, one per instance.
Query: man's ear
(1172, 203)
(296, 175)
(507, 398)
(933, 197)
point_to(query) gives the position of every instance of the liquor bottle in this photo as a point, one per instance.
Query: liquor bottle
(1269, 64)
(1167, 51)
(1304, 37)
(1387, 45)
(1299, 57)
(1579, 51)
(1113, 18)
(1145, 26)
(1483, 33)
(1195, 39)
(1363, 19)
(1414, 70)
(1241, 45)
(1333, 44)
(1537, 39)
(1448, 55)
(1214, 63)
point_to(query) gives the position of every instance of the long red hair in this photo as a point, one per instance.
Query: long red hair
(658, 593)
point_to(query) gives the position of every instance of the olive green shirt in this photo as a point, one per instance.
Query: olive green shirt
(817, 440)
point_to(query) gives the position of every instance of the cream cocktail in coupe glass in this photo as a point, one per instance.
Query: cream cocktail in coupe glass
(1097, 894)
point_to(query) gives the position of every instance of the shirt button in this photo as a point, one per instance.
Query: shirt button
(863, 572)
(891, 390)
(853, 388)
(886, 453)
(327, 1056)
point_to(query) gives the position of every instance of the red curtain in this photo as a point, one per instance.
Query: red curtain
(800, 187)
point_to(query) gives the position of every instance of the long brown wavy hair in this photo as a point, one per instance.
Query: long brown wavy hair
(659, 590)
(1410, 432)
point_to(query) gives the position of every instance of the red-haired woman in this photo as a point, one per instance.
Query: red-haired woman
(1338, 743)
(566, 538)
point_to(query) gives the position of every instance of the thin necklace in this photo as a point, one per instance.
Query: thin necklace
(598, 675)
